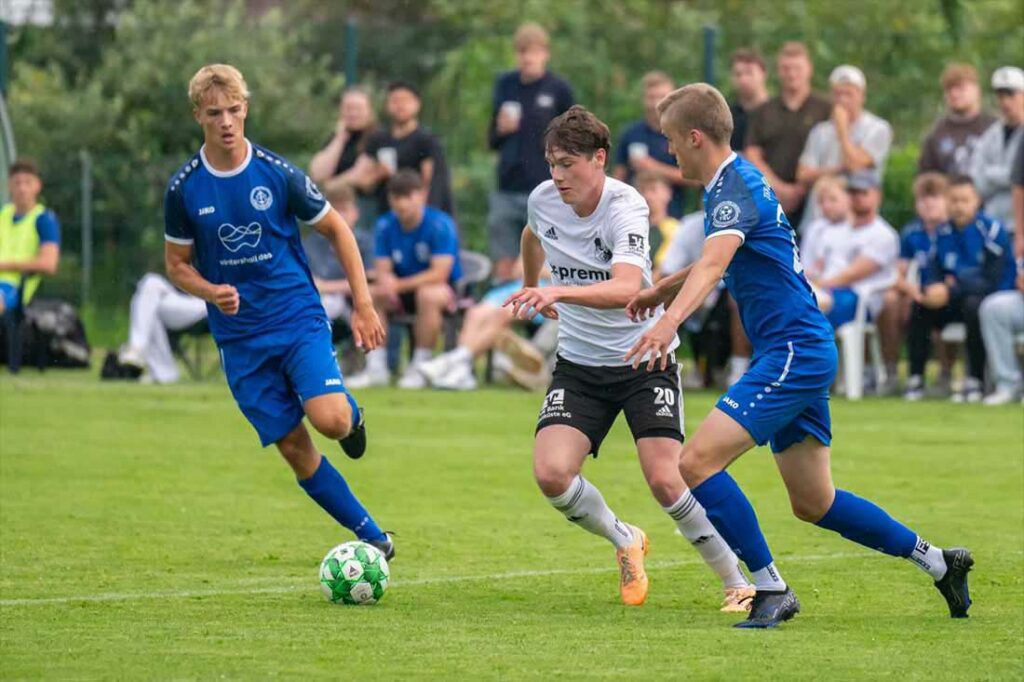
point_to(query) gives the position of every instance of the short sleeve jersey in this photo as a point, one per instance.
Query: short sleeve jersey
(243, 226)
(581, 252)
(918, 245)
(410, 251)
(766, 275)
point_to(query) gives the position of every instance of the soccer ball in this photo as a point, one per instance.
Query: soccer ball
(354, 573)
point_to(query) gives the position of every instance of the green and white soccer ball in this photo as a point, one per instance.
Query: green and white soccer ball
(354, 573)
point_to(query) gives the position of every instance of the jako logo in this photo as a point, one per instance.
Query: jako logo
(233, 238)
(332, 382)
(731, 403)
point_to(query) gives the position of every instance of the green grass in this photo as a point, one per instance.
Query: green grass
(170, 546)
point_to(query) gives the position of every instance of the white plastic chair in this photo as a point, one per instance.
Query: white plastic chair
(851, 347)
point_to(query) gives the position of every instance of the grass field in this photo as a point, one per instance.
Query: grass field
(144, 535)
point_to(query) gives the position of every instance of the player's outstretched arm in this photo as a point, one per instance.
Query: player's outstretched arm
(367, 330)
(705, 275)
(181, 272)
(645, 303)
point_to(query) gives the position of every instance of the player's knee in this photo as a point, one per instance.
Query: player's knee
(665, 485)
(552, 479)
(432, 295)
(334, 425)
(809, 509)
(695, 463)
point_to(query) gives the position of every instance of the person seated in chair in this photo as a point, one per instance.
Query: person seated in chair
(29, 247)
(416, 251)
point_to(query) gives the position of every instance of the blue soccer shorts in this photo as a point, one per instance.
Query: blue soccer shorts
(272, 374)
(783, 397)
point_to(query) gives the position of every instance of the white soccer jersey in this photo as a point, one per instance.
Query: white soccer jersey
(581, 252)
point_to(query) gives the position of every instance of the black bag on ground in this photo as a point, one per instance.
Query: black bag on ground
(53, 335)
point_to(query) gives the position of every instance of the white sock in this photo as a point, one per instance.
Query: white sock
(462, 354)
(928, 558)
(583, 504)
(769, 579)
(421, 355)
(694, 525)
(377, 361)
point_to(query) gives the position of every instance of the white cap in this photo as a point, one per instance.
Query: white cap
(849, 75)
(1008, 78)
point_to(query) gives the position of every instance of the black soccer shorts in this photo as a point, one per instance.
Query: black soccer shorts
(590, 398)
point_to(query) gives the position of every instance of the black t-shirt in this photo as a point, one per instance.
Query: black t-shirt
(354, 146)
(739, 127)
(410, 152)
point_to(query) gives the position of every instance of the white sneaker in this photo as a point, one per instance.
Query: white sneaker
(971, 392)
(461, 378)
(131, 356)
(367, 379)
(412, 379)
(436, 368)
(1002, 396)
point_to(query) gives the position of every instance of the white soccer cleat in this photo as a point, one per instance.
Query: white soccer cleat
(367, 379)
(412, 379)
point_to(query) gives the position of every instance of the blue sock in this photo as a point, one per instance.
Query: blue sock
(356, 418)
(732, 516)
(867, 524)
(328, 488)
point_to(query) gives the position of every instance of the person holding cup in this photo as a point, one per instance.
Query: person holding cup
(525, 101)
(643, 149)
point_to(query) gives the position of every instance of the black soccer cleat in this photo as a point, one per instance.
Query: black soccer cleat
(953, 585)
(770, 608)
(354, 444)
(386, 546)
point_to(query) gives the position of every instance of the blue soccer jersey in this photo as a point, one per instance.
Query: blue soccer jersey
(979, 256)
(243, 227)
(917, 245)
(410, 251)
(766, 276)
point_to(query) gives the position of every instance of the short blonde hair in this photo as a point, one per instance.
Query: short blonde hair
(836, 182)
(699, 106)
(530, 35)
(955, 74)
(224, 77)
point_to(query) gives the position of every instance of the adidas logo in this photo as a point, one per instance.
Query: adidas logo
(665, 411)
(551, 234)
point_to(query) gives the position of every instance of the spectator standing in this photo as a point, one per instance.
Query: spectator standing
(29, 248)
(335, 164)
(749, 77)
(1002, 313)
(948, 147)
(405, 145)
(993, 157)
(642, 147)
(778, 129)
(852, 141)
(416, 250)
(525, 101)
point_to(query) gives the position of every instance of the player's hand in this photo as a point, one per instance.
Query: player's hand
(367, 331)
(654, 342)
(530, 301)
(646, 303)
(225, 297)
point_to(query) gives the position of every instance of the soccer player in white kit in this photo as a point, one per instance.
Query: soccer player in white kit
(593, 232)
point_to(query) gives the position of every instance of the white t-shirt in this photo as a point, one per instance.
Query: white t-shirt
(813, 244)
(878, 241)
(581, 252)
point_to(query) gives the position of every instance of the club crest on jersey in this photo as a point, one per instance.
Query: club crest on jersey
(234, 237)
(602, 252)
(726, 214)
(261, 198)
(312, 190)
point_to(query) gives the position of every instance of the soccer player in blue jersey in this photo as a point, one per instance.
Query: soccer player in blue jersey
(232, 239)
(783, 397)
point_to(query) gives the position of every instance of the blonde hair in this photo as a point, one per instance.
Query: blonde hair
(340, 194)
(654, 78)
(836, 182)
(698, 106)
(794, 48)
(224, 77)
(530, 35)
(955, 74)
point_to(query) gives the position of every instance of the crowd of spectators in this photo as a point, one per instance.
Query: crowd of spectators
(825, 156)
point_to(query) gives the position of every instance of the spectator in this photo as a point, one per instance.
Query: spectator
(335, 164)
(405, 145)
(834, 206)
(525, 101)
(749, 84)
(860, 259)
(642, 147)
(918, 254)
(948, 147)
(993, 157)
(488, 326)
(974, 260)
(853, 141)
(778, 129)
(1002, 313)
(157, 307)
(328, 275)
(657, 191)
(417, 265)
(29, 248)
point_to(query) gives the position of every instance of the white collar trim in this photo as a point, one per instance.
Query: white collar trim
(228, 173)
(718, 173)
